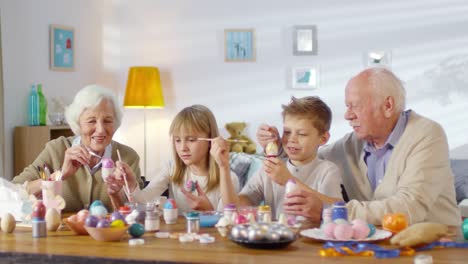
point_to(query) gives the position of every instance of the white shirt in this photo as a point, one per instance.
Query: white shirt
(163, 181)
(320, 175)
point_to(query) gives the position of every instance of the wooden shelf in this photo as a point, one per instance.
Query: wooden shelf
(29, 141)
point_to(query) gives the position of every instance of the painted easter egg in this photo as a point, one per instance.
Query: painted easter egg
(52, 219)
(103, 223)
(136, 230)
(8, 223)
(39, 210)
(394, 222)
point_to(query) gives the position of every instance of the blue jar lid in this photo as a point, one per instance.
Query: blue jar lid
(193, 214)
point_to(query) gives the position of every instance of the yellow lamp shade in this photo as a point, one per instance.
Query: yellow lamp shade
(143, 88)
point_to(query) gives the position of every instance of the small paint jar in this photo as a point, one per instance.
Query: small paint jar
(152, 218)
(264, 214)
(339, 211)
(229, 211)
(193, 222)
(39, 228)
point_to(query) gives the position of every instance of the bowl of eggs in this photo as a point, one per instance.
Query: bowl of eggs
(103, 229)
(76, 222)
(262, 235)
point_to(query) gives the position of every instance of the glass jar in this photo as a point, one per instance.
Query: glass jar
(193, 222)
(229, 211)
(339, 211)
(264, 214)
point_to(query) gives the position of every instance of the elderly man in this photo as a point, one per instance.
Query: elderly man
(393, 161)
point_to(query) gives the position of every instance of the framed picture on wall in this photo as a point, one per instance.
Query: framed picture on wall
(305, 78)
(305, 40)
(239, 45)
(62, 48)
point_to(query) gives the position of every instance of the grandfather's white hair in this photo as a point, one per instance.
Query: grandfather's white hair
(88, 97)
(386, 84)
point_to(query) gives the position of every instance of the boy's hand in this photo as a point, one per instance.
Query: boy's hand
(198, 202)
(304, 203)
(267, 134)
(276, 170)
(220, 152)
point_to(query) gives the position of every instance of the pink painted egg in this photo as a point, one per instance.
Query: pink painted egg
(343, 232)
(240, 219)
(329, 229)
(358, 221)
(360, 230)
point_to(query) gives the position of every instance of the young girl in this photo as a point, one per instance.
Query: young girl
(198, 177)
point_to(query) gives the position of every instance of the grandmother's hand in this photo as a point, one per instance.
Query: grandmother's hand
(75, 157)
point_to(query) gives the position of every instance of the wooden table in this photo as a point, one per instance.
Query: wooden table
(65, 247)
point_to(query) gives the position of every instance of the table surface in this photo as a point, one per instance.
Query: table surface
(65, 246)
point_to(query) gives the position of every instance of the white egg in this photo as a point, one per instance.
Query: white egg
(8, 223)
(52, 219)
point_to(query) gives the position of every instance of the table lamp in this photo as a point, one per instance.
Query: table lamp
(143, 91)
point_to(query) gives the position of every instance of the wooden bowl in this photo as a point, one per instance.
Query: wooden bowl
(76, 227)
(106, 234)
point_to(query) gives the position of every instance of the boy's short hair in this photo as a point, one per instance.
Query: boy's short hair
(312, 108)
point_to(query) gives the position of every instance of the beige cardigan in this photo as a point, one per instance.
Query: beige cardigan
(80, 190)
(418, 180)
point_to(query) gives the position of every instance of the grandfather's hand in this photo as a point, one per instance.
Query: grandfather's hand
(198, 202)
(304, 203)
(220, 152)
(75, 157)
(276, 170)
(267, 134)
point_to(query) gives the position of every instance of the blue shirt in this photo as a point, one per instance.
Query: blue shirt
(377, 159)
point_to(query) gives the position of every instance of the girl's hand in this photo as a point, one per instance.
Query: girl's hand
(220, 152)
(198, 202)
(75, 157)
(276, 170)
(123, 170)
(267, 134)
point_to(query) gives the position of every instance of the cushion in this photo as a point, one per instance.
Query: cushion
(240, 164)
(460, 171)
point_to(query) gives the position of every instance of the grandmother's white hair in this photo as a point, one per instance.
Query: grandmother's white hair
(88, 97)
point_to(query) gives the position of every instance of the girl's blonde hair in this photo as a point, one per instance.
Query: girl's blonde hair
(195, 118)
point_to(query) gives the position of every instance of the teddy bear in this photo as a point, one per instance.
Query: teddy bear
(237, 141)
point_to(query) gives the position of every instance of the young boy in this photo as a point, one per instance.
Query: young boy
(306, 124)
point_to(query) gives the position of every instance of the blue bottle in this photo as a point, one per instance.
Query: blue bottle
(33, 107)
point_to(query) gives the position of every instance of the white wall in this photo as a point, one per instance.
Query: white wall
(25, 46)
(185, 40)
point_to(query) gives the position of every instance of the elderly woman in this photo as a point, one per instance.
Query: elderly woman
(94, 116)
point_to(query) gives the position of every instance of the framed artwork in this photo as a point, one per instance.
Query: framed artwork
(62, 48)
(378, 58)
(305, 78)
(239, 45)
(305, 40)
